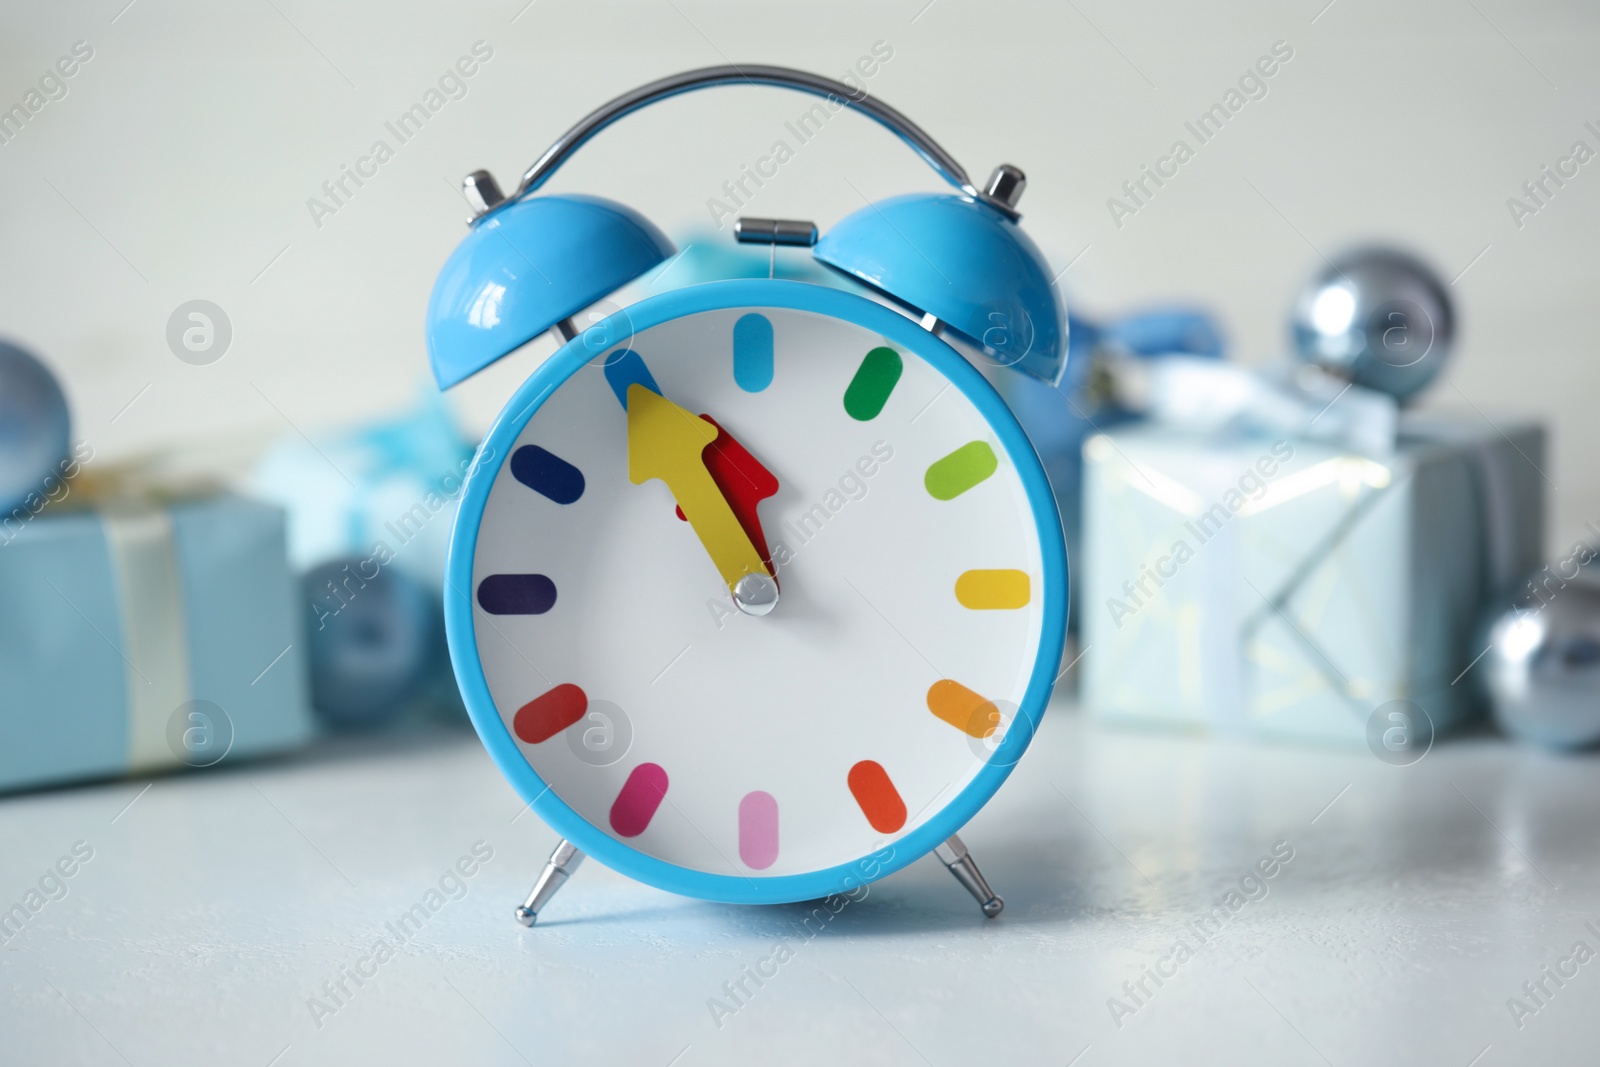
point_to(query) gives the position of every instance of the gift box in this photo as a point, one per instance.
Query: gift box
(140, 635)
(380, 494)
(1290, 588)
(1059, 418)
(392, 483)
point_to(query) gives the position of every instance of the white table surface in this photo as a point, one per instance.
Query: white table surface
(1418, 900)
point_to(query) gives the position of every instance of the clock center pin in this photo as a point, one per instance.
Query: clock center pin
(756, 594)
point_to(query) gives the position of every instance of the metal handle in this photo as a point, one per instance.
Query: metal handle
(782, 77)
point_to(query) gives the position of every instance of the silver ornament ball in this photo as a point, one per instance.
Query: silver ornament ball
(35, 430)
(373, 637)
(1377, 317)
(1542, 670)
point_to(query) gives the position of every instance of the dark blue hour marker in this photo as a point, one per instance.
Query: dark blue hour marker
(547, 473)
(516, 594)
(625, 368)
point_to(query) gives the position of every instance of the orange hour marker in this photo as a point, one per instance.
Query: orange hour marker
(962, 708)
(879, 799)
(998, 590)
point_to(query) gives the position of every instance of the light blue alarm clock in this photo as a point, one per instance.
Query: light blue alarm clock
(757, 590)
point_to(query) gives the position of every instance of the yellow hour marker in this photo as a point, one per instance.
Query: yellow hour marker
(993, 590)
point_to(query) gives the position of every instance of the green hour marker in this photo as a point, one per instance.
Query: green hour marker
(962, 469)
(875, 379)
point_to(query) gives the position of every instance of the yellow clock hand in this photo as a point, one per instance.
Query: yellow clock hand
(667, 442)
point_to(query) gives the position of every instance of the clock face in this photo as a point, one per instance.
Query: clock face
(921, 589)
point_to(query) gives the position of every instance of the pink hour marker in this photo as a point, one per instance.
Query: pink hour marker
(641, 795)
(758, 830)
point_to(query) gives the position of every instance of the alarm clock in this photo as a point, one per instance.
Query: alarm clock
(757, 590)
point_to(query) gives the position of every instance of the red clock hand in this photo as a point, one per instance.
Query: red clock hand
(743, 480)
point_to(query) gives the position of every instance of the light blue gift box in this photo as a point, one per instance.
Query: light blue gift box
(392, 482)
(138, 637)
(1288, 589)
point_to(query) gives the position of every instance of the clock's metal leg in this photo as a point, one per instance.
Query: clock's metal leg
(953, 854)
(563, 861)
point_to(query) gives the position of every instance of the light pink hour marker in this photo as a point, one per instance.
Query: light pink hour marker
(641, 795)
(758, 830)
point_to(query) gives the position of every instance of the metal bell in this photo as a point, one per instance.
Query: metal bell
(527, 267)
(965, 263)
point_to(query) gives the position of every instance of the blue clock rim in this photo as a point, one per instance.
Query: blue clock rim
(753, 294)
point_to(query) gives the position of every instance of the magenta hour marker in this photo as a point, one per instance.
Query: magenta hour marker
(758, 830)
(641, 795)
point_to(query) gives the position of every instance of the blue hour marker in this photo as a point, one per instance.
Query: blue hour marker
(752, 352)
(547, 473)
(516, 594)
(624, 368)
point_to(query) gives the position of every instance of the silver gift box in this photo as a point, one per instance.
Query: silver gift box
(1288, 589)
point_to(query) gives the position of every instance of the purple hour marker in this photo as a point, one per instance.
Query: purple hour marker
(516, 594)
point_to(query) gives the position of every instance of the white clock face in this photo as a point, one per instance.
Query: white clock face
(908, 626)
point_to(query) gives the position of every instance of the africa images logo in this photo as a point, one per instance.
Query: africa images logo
(52, 86)
(338, 191)
(803, 129)
(348, 980)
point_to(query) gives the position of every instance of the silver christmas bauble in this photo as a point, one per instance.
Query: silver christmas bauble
(1377, 317)
(374, 637)
(35, 431)
(1542, 670)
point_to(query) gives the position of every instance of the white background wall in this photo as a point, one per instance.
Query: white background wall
(180, 161)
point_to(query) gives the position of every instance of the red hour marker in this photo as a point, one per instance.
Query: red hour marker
(879, 799)
(546, 715)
